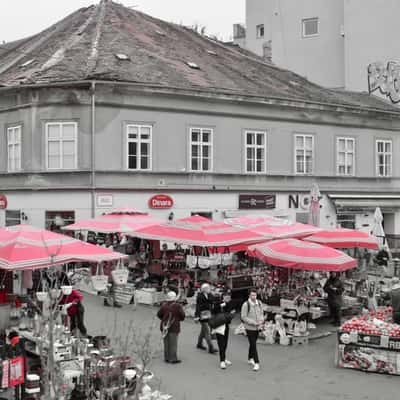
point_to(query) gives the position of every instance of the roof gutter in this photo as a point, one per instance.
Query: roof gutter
(274, 100)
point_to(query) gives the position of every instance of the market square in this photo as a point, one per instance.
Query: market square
(199, 200)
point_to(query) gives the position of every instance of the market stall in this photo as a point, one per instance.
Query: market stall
(40, 321)
(370, 343)
(293, 291)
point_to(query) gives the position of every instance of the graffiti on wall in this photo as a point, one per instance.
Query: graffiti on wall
(386, 79)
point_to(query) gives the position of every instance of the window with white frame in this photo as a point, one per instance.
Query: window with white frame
(201, 149)
(14, 148)
(139, 146)
(255, 143)
(304, 154)
(61, 145)
(345, 162)
(260, 31)
(384, 158)
(310, 27)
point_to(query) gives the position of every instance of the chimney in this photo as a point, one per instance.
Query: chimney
(239, 31)
(239, 35)
(267, 51)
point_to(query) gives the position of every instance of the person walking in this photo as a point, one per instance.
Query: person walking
(252, 315)
(171, 315)
(334, 288)
(204, 305)
(224, 309)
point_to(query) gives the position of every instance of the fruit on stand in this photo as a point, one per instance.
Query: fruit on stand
(376, 323)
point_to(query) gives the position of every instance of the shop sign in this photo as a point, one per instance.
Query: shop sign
(299, 201)
(104, 200)
(161, 201)
(3, 202)
(257, 201)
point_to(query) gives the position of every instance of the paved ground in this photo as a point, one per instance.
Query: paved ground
(302, 373)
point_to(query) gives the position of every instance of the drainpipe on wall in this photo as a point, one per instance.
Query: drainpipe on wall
(93, 146)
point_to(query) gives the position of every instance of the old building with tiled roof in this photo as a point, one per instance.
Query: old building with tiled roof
(110, 107)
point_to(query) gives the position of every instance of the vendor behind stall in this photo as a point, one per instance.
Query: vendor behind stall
(334, 288)
(396, 300)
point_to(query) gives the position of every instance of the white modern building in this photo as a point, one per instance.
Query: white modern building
(330, 42)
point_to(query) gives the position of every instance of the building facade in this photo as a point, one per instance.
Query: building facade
(331, 42)
(187, 139)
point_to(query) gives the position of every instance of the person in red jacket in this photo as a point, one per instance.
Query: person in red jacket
(171, 315)
(75, 311)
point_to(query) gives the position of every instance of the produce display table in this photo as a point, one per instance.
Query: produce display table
(291, 309)
(370, 343)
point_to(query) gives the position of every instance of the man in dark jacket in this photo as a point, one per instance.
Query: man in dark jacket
(171, 315)
(334, 288)
(204, 305)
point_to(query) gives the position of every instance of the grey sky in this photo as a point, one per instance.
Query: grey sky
(21, 18)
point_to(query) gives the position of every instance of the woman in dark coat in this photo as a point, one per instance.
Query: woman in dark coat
(222, 332)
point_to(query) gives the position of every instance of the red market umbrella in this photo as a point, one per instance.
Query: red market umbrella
(344, 238)
(199, 231)
(273, 228)
(26, 247)
(298, 254)
(120, 220)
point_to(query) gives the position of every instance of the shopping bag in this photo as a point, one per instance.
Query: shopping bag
(120, 275)
(5, 366)
(17, 374)
(215, 259)
(99, 281)
(204, 262)
(227, 259)
(191, 261)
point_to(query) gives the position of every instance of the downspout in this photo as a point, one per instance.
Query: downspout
(93, 146)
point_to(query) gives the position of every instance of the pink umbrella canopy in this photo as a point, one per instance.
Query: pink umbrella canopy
(344, 238)
(26, 247)
(273, 228)
(298, 254)
(199, 231)
(119, 220)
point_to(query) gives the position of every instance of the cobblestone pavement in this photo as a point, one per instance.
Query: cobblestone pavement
(287, 373)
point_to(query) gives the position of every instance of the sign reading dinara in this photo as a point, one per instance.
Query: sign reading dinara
(3, 202)
(161, 201)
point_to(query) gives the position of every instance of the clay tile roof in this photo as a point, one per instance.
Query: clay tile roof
(88, 44)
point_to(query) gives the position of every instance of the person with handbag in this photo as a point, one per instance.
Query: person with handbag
(171, 315)
(252, 315)
(223, 314)
(204, 305)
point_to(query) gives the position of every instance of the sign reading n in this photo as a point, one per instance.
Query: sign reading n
(257, 201)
